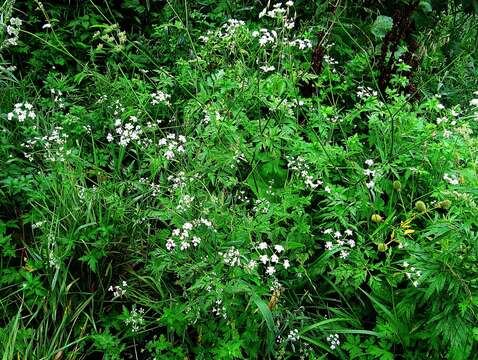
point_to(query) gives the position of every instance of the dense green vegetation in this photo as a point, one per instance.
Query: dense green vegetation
(220, 179)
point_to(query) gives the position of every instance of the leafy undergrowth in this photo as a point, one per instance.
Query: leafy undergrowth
(179, 184)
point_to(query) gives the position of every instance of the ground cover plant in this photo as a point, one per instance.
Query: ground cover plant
(238, 179)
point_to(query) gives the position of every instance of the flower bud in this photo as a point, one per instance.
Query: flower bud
(420, 206)
(397, 185)
(376, 218)
(382, 247)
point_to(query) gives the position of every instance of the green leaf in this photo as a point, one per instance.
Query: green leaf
(425, 6)
(381, 26)
(265, 311)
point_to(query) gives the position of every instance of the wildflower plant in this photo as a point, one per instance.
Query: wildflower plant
(230, 181)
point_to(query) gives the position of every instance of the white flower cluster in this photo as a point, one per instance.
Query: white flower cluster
(219, 309)
(333, 340)
(451, 179)
(301, 43)
(174, 145)
(267, 68)
(270, 257)
(237, 158)
(11, 68)
(135, 319)
(52, 145)
(53, 259)
(364, 92)
(21, 112)
(300, 165)
(183, 237)
(128, 132)
(474, 102)
(371, 174)
(13, 30)
(154, 187)
(205, 38)
(331, 61)
(277, 11)
(160, 97)
(118, 290)
(177, 181)
(227, 30)
(242, 196)
(342, 241)
(412, 273)
(118, 108)
(266, 36)
(231, 26)
(261, 206)
(293, 335)
(286, 105)
(58, 97)
(207, 117)
(232, 257)
(185, 202)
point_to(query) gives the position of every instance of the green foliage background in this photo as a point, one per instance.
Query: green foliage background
(295, 157)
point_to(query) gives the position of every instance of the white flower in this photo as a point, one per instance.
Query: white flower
(440, 106)
(169, 154)
(16, 21)
(279, 248)
(327, 189)
(289, 3)
(262, 246)
(46, 26)
(274, 258)
(251, 265)
(333, 341)
(266, 68)
(369, 162)
(351, 243)
(184, 245)
(270, 270)
(369, 172)
(451, 180)
(337, 234)
(196, 240)
(286, 264)
(329, 245)
(348, 232)
(264, 259)
(170, 244)
(109, 137)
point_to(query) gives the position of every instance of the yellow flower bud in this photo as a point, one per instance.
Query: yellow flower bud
(376, 218)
